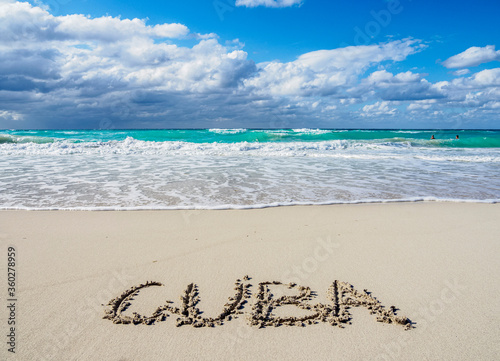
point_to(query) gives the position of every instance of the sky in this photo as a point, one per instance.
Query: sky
(88, 64)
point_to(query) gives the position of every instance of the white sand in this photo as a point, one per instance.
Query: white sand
(438, 263)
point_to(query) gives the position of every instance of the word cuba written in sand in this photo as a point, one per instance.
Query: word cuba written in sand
(341, 294)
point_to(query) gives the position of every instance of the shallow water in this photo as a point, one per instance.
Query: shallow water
(170, 169)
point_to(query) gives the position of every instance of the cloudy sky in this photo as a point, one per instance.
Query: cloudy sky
(249, 64)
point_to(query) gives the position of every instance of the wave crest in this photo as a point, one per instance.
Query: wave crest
(360, 149)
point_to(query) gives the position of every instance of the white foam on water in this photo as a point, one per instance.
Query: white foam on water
(134, 174)
(312, 131)
(237, 207)
(333, 148)
(228, 131)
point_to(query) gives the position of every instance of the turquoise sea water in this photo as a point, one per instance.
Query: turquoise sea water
(444, 138)
(242, 168)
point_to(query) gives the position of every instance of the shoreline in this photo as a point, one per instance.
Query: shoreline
(436, 262)
(250, 207)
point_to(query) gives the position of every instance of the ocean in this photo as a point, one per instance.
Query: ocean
(244, 168)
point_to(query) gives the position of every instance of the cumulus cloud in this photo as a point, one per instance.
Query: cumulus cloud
(377, 109)
(326, 72)
(472, 57)
(421, 105)
(487, 78)
(75, 71)
(268, 3)
(23, 22)
(403, 86)
(474, 95)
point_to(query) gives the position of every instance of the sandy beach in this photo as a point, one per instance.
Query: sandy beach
(436, 262)
(249, 180)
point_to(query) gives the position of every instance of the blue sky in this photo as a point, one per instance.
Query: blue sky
(285, 33)
(249, 63)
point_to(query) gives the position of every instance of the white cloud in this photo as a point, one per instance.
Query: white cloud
(383, 78)
(172, 31)
(206, 36)
(472, 57)
(326, 72)
(10, 116)
(268, 3)
(421, 105)
(377, 109)
(461, 72)
(488, 77)
(472, 93)
(483, 79)
(492, 105)
(23, 22)
(359, 57)
(405, 86)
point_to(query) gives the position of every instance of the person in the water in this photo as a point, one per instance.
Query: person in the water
(432, 137)
(457, 137)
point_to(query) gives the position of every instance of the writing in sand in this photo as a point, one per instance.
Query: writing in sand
(342, 297)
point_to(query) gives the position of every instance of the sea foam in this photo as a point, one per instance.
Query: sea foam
(116, 170)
